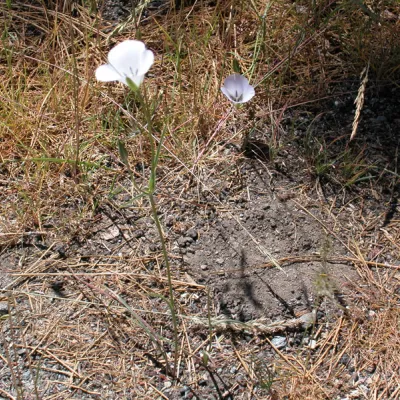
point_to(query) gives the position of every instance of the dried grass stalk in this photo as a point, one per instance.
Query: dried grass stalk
(359, 101)
(256, 326)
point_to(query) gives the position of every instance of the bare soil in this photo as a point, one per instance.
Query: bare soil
(223, 230)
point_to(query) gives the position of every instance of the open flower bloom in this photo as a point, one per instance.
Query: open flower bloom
(128, 59)
(237, 89)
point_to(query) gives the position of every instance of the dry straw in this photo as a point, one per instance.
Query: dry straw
(359, 101)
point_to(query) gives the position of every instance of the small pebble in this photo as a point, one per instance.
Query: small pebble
(192, 233)
(154, 247)
(138, 234)
(181, 241)
(184, 391)
(60, 248)
(3, 308)
(308, 319)
(21, 352)
(279, 342)
(184, 241)
(241, 380)
(169, 221)
(189, 240)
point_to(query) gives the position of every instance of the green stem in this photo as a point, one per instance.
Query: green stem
(145, 103)
(169, 277)
(155, 152)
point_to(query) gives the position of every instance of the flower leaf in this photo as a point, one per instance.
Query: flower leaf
(123, 153)
(132, 84)
(236, 66)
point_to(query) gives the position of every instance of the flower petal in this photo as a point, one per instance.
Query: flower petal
(126, 56)
(147, 60)
(235, 83)
(237, 89)
(248, 94)
(106, 73)
(225, 91)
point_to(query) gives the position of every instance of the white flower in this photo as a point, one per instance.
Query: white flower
(128, 59)
(237, 89)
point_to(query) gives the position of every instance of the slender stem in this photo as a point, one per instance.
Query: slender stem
(144, 100)
(145, 104)
(169, 277)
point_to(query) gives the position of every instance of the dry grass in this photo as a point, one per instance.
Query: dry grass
(59, 164)
(357, 356)
(359, 101)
